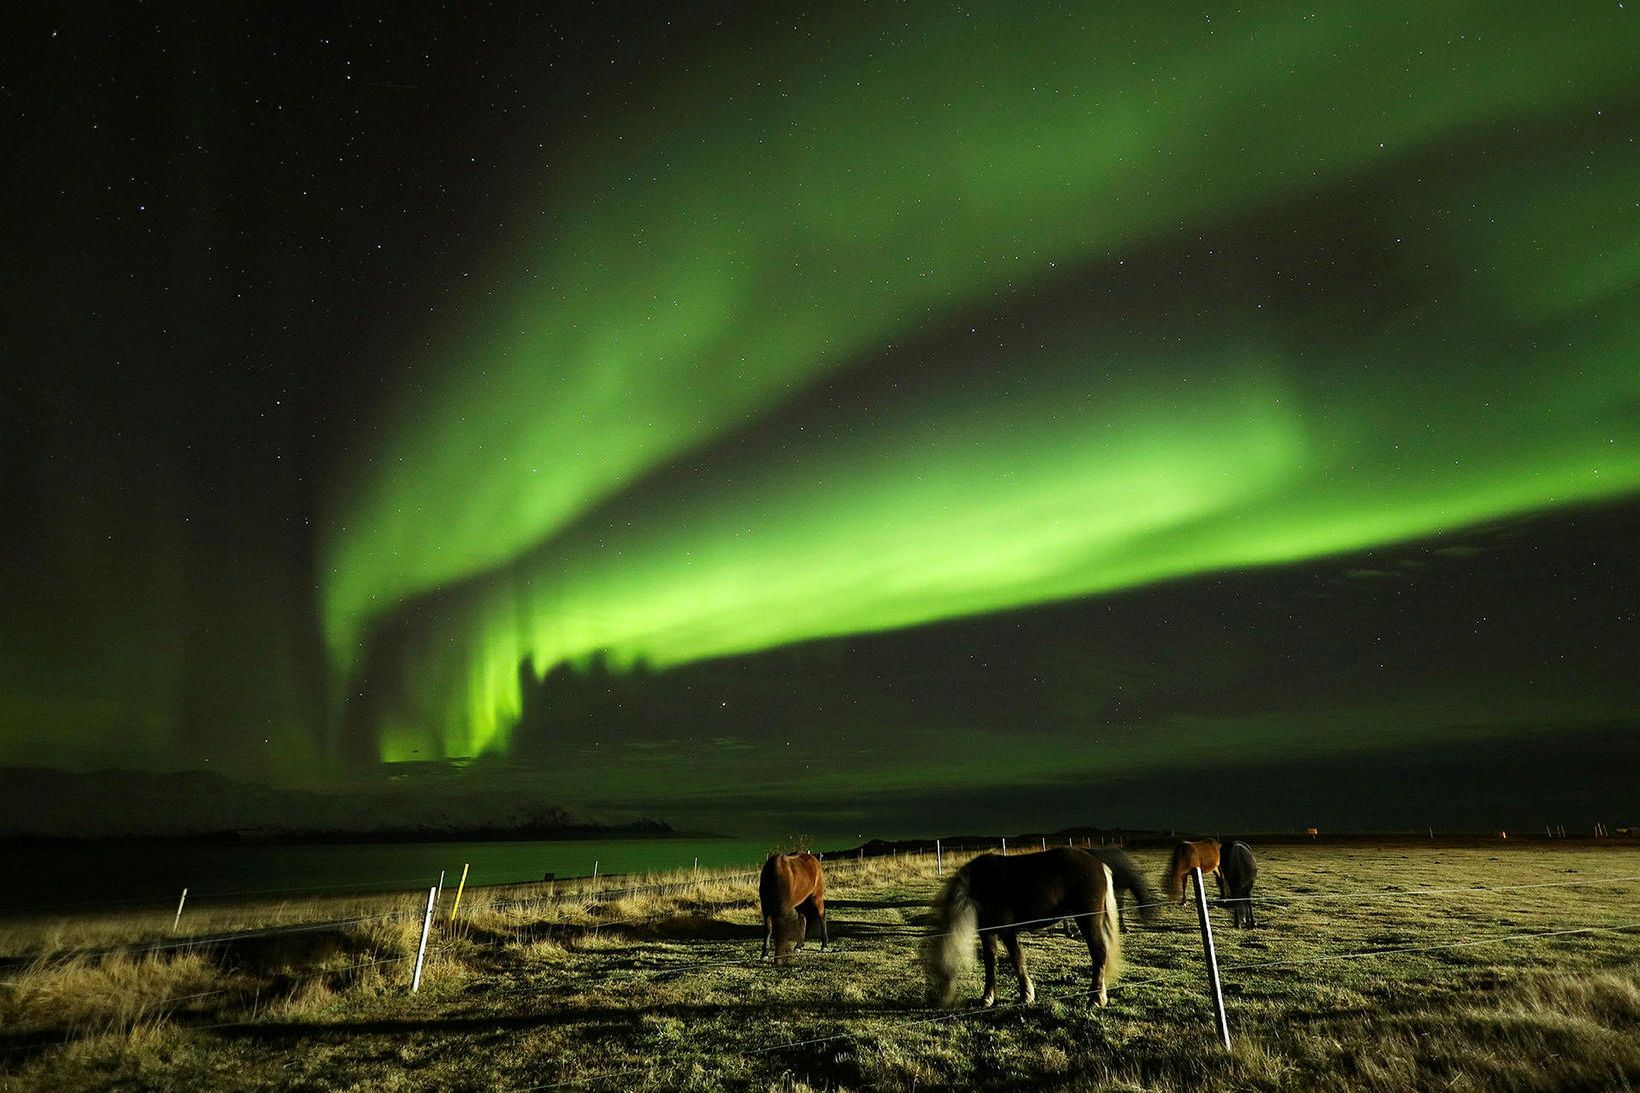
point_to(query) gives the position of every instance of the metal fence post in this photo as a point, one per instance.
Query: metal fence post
(421, 950)
(1212, 958)
(178, 920)
(939, 860)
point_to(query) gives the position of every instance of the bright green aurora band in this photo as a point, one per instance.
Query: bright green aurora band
(729, 247)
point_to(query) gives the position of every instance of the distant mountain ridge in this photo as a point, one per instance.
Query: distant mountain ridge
(45, 803)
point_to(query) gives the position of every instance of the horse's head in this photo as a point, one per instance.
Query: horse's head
(941, 971)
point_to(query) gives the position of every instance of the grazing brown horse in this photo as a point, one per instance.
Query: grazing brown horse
(791, 883)
(994, 897)
(1239, 868)
(1200, 854)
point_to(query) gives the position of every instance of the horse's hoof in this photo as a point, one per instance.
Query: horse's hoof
(988, 1001)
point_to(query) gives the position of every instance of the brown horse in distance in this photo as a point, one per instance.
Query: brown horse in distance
(1200, 854)
(791, 883)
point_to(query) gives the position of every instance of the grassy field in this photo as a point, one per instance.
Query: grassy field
(1358, 977)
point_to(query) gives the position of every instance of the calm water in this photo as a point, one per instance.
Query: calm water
(100, 874)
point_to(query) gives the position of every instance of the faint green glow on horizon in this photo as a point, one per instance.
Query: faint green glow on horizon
(721, 255)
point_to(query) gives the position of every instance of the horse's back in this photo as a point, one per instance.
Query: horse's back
(789, 879)
(1240, 866)
(1033, 887)
(1204, 853)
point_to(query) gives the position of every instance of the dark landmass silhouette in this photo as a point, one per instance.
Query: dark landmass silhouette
(39, 804)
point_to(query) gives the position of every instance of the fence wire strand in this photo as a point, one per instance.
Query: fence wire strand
(594, 1079)
(598, 896)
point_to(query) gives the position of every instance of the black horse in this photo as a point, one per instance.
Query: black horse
(1238, 870)
(1128, 880)
(994, 897)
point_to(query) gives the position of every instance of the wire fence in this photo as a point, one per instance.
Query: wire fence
(604, 1077)
(593, 896)
(610, 894)
(598, 895)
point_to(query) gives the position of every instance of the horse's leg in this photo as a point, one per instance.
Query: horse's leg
(1096, 952)
(988, 950)
(820, 913)
(802, 926)
(768, 922)
(1027, 989)
(1218, 876)
(1121, 911)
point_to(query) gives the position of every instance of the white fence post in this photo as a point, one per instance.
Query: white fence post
(1005, 846)
(178, 920)
(421, 950)
(939, 860)
(1212, 959)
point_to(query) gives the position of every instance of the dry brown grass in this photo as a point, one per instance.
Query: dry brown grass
(661, 989)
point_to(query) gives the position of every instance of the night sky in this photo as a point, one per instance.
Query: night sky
(891, 415)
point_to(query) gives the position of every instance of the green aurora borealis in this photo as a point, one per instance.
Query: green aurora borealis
(727, 249)
(866, 412)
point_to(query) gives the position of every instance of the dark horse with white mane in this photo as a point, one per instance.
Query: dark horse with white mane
(791, 883)
(995, 897)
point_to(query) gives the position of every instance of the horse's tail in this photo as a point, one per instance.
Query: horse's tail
(1110, 930)
(1173, 879)
(769, 889)
(949, 951)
